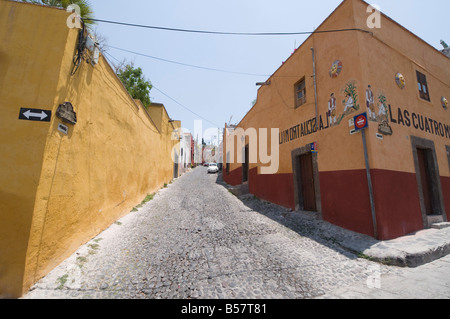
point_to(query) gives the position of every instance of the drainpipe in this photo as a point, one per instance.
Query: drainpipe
(315, 89)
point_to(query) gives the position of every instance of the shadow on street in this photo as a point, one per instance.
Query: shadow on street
(305, 224)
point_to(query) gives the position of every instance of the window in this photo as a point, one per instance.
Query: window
(300, 93)
(423, 86)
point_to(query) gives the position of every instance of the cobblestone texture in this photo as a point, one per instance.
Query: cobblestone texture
(197, 240)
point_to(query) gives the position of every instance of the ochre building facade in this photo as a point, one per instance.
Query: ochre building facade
(400, 82)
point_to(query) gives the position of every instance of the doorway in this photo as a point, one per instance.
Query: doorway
(306, 180)
(425, 179)
(175, 165)
(428, 181)
(245, 165)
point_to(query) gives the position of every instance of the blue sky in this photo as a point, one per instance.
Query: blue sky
(214, 97)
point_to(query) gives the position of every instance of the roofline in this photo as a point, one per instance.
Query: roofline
(323, 22)
(35, 4)
(301, 45)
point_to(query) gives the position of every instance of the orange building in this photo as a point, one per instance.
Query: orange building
(387, 180)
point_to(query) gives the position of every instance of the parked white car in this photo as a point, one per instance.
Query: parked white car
(213, 168)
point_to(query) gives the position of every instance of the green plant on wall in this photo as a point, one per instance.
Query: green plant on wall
(135, 82)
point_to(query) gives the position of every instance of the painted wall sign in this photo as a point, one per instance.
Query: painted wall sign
(35, 115)
(304, 129)
(400, 80)
(419, 122)
(332, 117)
(336, 69)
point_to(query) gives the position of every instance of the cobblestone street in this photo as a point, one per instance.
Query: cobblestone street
(196, 239)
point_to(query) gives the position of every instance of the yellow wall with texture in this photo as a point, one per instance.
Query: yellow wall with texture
(57, 190)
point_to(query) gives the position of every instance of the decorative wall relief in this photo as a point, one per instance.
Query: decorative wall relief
(336, 69)
(370, 103)
(351, 98)
(383, 117)
(350, 103)
(332, 111)
(66, 113)
(400, 80)
(444, 102)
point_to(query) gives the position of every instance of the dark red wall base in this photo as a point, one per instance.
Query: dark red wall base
(345, 198)
(234, 177)
(445, 182)
(276, 188)
(397, 203)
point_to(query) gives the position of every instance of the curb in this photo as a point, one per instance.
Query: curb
(412, 251)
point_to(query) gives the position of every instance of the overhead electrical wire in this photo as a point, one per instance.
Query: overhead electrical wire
(171, 98)
(216, 125)
(212, 33)
(222, 32)
(185, 64)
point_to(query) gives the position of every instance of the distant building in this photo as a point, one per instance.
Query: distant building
(186, 151)
(400, 82)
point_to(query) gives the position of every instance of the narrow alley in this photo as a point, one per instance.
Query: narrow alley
(195, 239)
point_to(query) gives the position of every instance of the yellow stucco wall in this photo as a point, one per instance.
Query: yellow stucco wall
(58, 191)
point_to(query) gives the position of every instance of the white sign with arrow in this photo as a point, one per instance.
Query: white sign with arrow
(35, 115)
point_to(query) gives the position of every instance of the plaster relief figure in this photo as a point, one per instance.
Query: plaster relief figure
(384, 127)
(370, 103)
(349, 104)
(382, 109)
(351, 100)
(332, 109)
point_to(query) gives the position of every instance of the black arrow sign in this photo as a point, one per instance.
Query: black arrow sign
(35, 115)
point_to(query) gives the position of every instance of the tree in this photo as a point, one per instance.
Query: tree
(85, 7)
(134, 81)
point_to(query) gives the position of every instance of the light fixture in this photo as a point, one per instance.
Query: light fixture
(263, 83)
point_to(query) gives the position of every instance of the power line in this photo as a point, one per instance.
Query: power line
(166, 95)
(222, 32)
(184, 106)
(185, 64)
